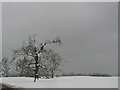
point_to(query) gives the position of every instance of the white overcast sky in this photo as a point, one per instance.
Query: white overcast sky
(89, 32)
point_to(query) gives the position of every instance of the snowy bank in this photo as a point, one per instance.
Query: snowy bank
(63, 82)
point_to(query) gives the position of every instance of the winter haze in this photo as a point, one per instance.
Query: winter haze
(89, 32)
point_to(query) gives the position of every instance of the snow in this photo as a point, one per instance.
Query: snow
(63, 82)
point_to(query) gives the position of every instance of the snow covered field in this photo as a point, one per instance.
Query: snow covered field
(63, 82)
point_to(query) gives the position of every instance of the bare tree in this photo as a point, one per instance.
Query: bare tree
(31, 49)
(22, 67)
(55, 62)
(5, 66)
(51, 61)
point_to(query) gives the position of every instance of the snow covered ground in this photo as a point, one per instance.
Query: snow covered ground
(63, 82)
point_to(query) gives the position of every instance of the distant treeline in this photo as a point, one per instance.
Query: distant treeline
(93, 74)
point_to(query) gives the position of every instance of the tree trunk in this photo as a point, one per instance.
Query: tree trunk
(36, 68)
(52, 74)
